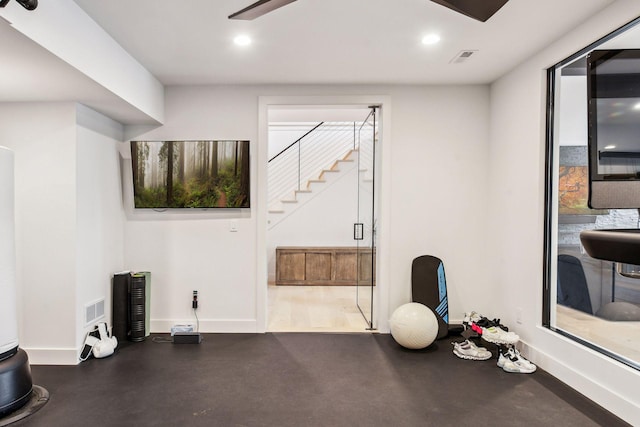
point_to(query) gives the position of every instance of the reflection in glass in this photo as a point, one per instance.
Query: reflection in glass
(589, 300)
(613, 83)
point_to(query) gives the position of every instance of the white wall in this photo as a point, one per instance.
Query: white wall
(65, 30)
(43, 139)
(9, 301)
(516, 208)
(436, 167)
(439, 191)
(186, 252)
(68, 221)
(100, 214)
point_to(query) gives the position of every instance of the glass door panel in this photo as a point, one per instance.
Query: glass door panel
(365, 227)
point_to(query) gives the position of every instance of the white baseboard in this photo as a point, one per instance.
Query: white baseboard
(207, 325)
(52, 356)
(611, 400)
(69, 356)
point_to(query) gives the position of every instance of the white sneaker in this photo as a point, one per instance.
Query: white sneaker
(470, 318)
(468, 350)
(513, 362)
(499, 336)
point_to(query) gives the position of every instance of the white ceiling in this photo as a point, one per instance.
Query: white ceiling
(189, 42)
(29, 73)
(331, 41)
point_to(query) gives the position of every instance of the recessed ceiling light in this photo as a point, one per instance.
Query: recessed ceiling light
(637, 106)
(242, 40)
(609, 147)
(430, 39)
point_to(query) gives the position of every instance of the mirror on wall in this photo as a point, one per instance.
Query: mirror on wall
(587, 299)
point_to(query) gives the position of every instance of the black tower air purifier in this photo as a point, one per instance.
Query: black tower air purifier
(137, 307)
(120, 306)
(129, 300)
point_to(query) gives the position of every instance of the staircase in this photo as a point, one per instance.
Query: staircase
(323, 180)
(315, 161)
(310, 165)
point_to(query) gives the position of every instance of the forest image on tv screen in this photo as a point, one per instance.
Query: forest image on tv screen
(190, 174)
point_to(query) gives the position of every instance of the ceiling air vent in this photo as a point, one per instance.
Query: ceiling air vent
(463, 56)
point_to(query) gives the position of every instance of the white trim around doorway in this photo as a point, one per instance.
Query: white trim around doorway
(381, 313)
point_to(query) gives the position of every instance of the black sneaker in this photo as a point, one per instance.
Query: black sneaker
(486, 323)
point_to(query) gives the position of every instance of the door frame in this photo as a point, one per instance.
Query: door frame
(381, 298)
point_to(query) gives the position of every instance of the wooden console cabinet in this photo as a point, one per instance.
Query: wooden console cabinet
(321, 265)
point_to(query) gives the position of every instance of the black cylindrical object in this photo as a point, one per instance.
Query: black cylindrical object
(15, 382)
(120, 306)
(137, 303)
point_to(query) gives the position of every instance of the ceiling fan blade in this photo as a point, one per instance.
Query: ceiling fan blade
(476, 9)
(259, 8)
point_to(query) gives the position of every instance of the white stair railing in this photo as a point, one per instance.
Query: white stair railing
(304, 160)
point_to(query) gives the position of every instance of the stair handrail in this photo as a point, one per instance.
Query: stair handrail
(304, 168)
(296, 141)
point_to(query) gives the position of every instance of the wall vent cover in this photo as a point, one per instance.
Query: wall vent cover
(462, 56)
(93, 311)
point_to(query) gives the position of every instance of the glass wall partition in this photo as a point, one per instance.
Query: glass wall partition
(587, 299)
(365, 228)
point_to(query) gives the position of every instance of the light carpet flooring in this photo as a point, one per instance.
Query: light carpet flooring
(314, 309)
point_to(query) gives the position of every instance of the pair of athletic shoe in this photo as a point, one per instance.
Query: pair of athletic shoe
(490, 330)
(510, 360)
(470, 351)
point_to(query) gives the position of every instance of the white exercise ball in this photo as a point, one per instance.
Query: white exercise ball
(414, 325)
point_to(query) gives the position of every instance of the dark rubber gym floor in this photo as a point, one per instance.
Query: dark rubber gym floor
(300, 379)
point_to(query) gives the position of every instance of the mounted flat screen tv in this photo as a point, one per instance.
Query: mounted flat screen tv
(190, 174)
(613, 81)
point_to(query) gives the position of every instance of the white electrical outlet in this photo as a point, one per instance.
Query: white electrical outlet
(519, 315)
